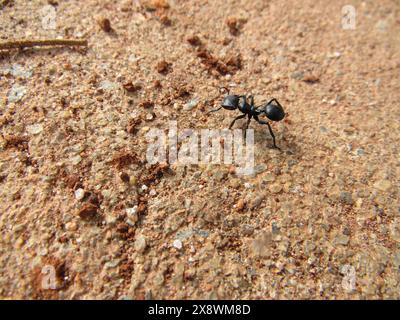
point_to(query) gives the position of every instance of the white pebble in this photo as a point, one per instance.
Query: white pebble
(108, 85)
(131, 211)
(153, 192)
(177, 244)
(144, 187)
(79, 194)
(132, 215)
(16, 93)
(75, 160)
(18, 71)
(191, 104)
(248, 185)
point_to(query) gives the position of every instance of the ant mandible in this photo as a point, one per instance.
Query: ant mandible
(273, 110)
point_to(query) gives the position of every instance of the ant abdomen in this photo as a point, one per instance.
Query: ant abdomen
(274, 111)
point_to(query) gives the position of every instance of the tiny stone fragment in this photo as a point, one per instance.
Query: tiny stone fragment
(275, 188)
(342, 240)
(131, 87)
(247, 230)
(79, 194)
(132, 215)
(257, 201)
(16, 93)
(108, 85)
(140, 244)
(105, 24)
(152, 5)
(88, 211)
(177, 244)
(191, 104)
(194, 41)
(310, 78)
(346, 198)
(240, 205)
(163, 67)
(76, 160)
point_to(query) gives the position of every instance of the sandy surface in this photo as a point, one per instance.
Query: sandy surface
(319, 220)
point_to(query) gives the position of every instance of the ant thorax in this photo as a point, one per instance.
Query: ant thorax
(244, 106)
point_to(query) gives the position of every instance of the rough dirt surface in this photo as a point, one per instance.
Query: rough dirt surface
(78, 196)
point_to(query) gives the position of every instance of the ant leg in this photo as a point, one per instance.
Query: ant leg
(270, 130)
(277, 102)
(247, 125)
(234, 120)
(272, 135)
(214, 110)
(248, 121)
(251, 97)
(225, 89)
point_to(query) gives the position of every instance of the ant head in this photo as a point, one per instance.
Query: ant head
(274, 111)
(230, 102)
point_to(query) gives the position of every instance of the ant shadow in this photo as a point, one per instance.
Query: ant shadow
(263, 141)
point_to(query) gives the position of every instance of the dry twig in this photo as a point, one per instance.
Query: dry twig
(40, 43)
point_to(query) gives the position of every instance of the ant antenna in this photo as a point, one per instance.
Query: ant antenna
(225, 88)
(214, 110)
(226, 91)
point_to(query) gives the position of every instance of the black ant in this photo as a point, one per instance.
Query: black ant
(273, 110)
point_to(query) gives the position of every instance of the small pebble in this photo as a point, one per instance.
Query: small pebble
(260, 168)
(342, 239)
(267, 213)
(16, 93)
(132, 215)
(240, 205)
(140, 244)
(71, 226)
(269, 177)
(75, 160)
(105, 24)
(88, 211)
(18, 71)
(275, 228)
(335, 54)
(297, 75)
(248, 185)
(247, 230)
(360, 152)
(275, 188)
(346, 197)
(177, 244)
(149, 117)
(191, 104)
(257, 201)
(108, 85)
(79, 194)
